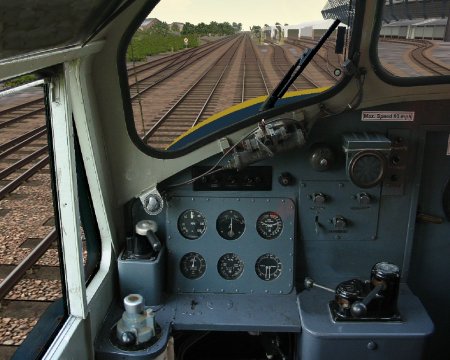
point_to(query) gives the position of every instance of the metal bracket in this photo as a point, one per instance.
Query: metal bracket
(152, 201)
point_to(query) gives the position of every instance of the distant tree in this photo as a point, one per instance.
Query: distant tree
(213, 28)
(188, 29)
(277, 23)
(175, 27)
(255, 29)
(286, 24)
(202, 29)
(161, 28)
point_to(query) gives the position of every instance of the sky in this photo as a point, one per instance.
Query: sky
(247, 12)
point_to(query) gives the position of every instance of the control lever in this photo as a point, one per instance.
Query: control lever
(309, 284)
(148, 229)
(359, 308)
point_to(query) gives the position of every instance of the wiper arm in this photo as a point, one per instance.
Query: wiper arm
(296, 69)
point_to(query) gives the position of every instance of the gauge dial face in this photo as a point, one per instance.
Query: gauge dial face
(191, 224)
(367, 168)
(268, 267)
(269, 225)
(230, 224)
(192, 265)
(230, 266)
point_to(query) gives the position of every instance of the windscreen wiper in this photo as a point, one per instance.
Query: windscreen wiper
(296, 69)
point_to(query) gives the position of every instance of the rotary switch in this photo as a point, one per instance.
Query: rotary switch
(339, 222)
(363, 198)
(318, 198)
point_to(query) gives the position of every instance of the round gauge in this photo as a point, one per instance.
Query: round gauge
(269, 225)
(268, 267)
(230, 224)
(230, 266)
(192, 265)
(191, 224)
(366, 169)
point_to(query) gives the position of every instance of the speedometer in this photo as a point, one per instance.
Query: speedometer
(191, 224)
(269, 225)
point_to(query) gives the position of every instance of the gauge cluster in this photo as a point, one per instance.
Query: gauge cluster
(230, 245)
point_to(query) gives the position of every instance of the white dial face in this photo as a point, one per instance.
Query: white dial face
(269, 225)
(268, 267)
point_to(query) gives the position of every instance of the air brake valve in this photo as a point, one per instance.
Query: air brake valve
(137, 325)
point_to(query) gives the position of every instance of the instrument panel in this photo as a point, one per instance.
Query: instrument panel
(230, 245)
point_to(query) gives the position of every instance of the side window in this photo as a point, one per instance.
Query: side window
(190, 64)
(414, 38)
(30, 261)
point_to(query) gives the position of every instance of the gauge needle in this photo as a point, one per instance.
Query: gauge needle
(231, 232)
(193, 263)
(268, 268)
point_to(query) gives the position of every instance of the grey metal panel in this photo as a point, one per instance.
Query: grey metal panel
(250, 246)
(429, 271)
(322, 339)
(235, 312)
(340, 201)
(145, 277)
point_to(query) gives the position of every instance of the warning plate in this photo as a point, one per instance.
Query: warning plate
(387, 116)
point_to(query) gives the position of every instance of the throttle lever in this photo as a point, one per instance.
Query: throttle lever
(148, 228)
(359, 308)
(309, 284)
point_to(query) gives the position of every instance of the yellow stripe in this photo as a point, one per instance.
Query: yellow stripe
(243, 105)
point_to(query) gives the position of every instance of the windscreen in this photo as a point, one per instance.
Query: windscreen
(193, 63)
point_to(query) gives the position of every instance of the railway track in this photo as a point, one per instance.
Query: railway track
(419, 55)
(326, 55)
(253, 78)
(194, 104)
(282, 66)
(143, 78)
(323, 62)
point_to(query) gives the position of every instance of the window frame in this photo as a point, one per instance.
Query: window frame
(353, 54)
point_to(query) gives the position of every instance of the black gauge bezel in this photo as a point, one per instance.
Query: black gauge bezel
(234, 275)
(183, 232)
(201, 270)
(272, 276)
(219, 223)
(263, 234)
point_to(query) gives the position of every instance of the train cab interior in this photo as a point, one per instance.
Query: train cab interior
(312, 226)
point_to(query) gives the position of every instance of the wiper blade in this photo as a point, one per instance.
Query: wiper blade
(296, 69)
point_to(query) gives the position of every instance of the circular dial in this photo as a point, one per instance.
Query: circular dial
(230, 266)
(191, 224)
(192, 265)
(230, 224)
(269, 225)
(268, 267)
(367, 168)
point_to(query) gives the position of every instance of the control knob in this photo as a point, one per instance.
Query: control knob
(339, 222)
